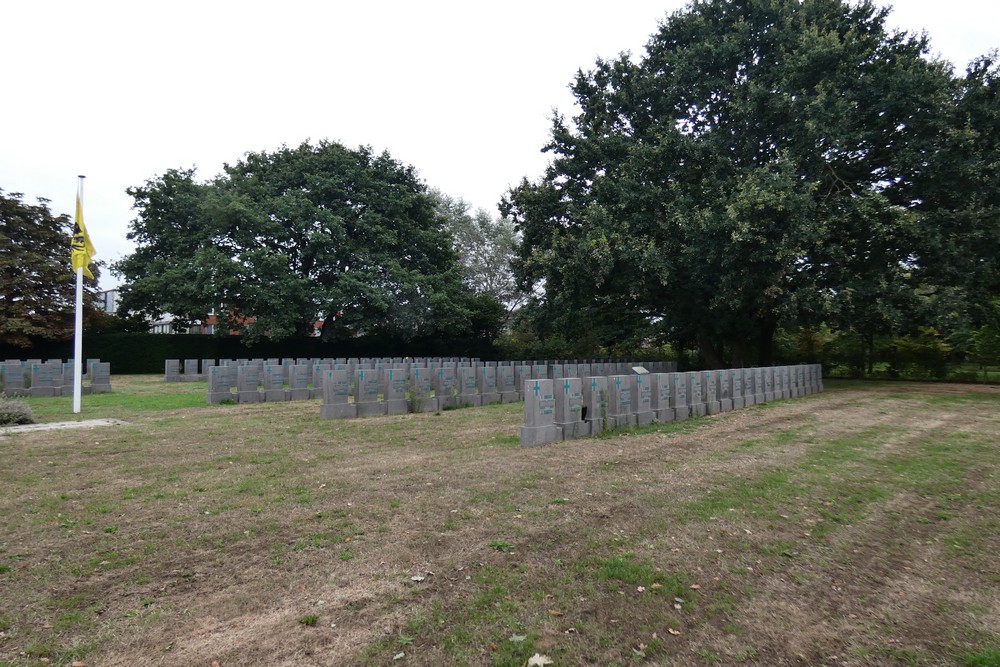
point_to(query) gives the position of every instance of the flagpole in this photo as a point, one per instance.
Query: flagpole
(78, 337)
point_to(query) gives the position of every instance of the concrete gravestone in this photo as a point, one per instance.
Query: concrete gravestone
(394, 385)
(643, 400)
(621, 412)
(569, 408)
(366, 387)
(539, 413)
(220, 385)
(247, 384)
(446, 387)
(486, 377)
(595, 403)
(678, 396)
(274, 384)
(420, 390)
(660, 396)
(694, 393)
(736, 383)
(710, 387)
(468, 387)
(507, 384)
(336, 394)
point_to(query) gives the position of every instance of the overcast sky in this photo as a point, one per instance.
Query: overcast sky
(463, 91)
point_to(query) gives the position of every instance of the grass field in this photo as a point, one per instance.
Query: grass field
(856, 527)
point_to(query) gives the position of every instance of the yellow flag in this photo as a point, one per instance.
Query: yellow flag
(82, 247)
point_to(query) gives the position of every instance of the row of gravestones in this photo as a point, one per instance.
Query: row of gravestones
(390, 389)
(192, 370)
(35, 377)
(576, 407)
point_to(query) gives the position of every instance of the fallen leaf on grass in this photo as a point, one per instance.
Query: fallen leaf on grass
(641, 589)
(695, 586)
(518, 638)
(399, 656)
(538, 660)
(555, 612)
(417, 578)
(656, 586)
(673, 632)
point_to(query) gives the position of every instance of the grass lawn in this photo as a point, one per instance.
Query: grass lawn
(856, 527)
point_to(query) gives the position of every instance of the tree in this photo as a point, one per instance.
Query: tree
(38, 288)
(754, 168)
(486, 247)
(281, 240)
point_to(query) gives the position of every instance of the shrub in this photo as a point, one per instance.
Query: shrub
(14, 412)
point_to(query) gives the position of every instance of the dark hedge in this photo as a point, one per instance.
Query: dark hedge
(131, 353)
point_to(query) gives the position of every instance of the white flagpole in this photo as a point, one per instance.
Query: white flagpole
(78, 337)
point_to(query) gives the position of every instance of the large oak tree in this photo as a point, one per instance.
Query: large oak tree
(757, 166)
(282, 239)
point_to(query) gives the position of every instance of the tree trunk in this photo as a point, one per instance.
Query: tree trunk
(765, 356)
(710, 354)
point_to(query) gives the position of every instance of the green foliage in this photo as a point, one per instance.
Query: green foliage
(986, 345)
(37, 286)
(15, 412)
(765, 163)
(485, 246)
(926, 354)
(281, 240)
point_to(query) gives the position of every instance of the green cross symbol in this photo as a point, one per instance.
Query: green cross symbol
(536, 388)
(566, 386)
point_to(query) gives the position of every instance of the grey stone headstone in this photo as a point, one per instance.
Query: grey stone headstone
(14, 380)
(507, 384)
(678, 395)
(43, 380)
(299, 377)
(394, 385)
(768, 376)
(643, 399)
(710, 390)
(696, 397)
(421, 390)
(759, 391)
(486, 380)
(539, 414)
(100, 377)
(660, 397)
(569, 408)
(595, 403)
(191, 371)
(468, 389)
(736, 387)
(220, 387)
(248, 384)
(621, 401)
(274, 384)
(724, 393)
(446, 387)
(336, 395)
(172, 370)
(366, 390)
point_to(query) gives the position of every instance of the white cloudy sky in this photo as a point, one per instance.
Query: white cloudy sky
(122, 91)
